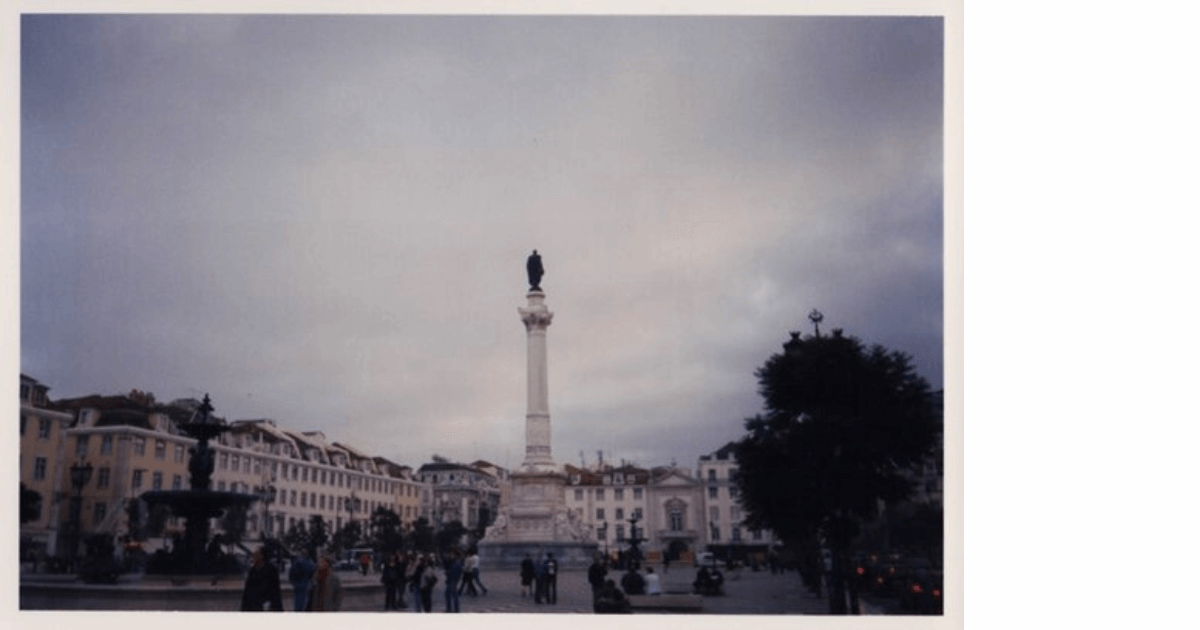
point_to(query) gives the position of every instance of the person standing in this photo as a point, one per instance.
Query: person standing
(454, 574)
(428, 581)
(262, 585)
(551, 588)
(596, 574)
(528, 573)
(391, 576)
(416, 566)
(327, 588)
(301, 575)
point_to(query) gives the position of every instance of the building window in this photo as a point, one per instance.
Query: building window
(303, 499)
(620, 514)
(620, 533)
(756, 534)
(323, 478)
(160, 449)
(178, 453)
(102, 478)
(736, 534)
(106, 445)
(177, 482)
(157, 480)
(733, 491)
(246, 464)
(235, 462)
(676, 520)
(714, 513)
(602, 534)
(224, 461)
(43, 429)
(630, 479)
(619, 495)
(712, 492)
(716, 533)
(599, 494)
(137, 479)
(221, 486)
(81, 445)
(599, 514)
(733, 475)
(139, 446)
(39, 468)
(712, 475)
(637, 513)
(98, 513)
(258, 467)
(637, 494)
(304, 475)
(578, 495)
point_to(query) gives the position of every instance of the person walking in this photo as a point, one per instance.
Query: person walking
(429, 580)
(551, 575)
(454, 575)
(262, 585)
(416, 567)
(301, 575)
(327, 588)
(471, 575)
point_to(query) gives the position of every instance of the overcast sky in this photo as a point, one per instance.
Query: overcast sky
(325, 220)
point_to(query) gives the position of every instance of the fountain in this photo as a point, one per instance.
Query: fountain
(196, 553)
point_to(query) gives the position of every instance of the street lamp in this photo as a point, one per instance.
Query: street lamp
(80, 474)
(603, 529)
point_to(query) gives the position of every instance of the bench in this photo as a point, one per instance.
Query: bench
(667, 603)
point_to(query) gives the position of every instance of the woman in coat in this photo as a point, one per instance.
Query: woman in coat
(327, 588)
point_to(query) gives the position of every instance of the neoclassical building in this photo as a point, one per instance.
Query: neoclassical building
(43, 466)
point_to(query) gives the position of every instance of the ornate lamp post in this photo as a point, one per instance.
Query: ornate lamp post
(81, 473)
(603, 530)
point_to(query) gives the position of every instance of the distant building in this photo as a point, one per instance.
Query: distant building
(134, 445)
(462, 492)
(42, 466)
(725, 534)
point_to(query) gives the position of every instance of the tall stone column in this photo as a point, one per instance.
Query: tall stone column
(536, 317)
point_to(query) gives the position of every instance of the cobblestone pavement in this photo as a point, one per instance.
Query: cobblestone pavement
(749, 593)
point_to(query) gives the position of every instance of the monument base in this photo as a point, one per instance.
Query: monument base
(507, 556)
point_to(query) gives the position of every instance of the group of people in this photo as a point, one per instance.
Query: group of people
(418, 575)
(608, 598)
(541, 577)
(316, 587)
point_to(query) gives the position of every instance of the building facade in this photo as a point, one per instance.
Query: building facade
(42, 464)
(725, 534)
(461, 492)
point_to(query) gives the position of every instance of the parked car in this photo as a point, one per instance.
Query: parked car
(922, 588)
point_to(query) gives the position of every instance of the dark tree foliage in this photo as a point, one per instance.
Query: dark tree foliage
(422, 535)
(31, 504)
(843, 426)
(387, 529)
(233, 523)
(318, 534)
(450, 535)
(347, 537)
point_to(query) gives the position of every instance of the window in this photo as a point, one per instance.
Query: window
(735, 514)
(578, 495)
(630, 479)
(716, 533)
(303, 499)
(602, 534)
(139, 446)
(221, 486)
(39, 468)
(756, 534)
(620, 514)
(617, 479)
(322, 477)
(599, 514)
(258, 467)
(24, 419)
(246, 464)
(98, 513)
(160, 449)
(712, 475)
(102, 478)
(620, 533)
(733, 491)
(733, 475)
(304, 475)
(619, 495)
(235, 462)
(137, 479)
(81, 445)
(293, 497)
(712, 492)
(736, 534)
(106, 445)
(44, 429)
(224, 461)
(637, 494)
(178, 453)
(157, 480)
(177, 482)
(714, 513)
(599, 494)
(676, 520)
(637, 513)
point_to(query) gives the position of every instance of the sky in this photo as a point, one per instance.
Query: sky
(324, 220)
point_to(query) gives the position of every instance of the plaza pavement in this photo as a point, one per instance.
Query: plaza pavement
(750, 593)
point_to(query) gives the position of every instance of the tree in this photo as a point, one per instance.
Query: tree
(31, 505)
(233, 523)
(318, 534)
(844, 425)
(388, 530)
(422, 535)
(450, 535)
(347, 537)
